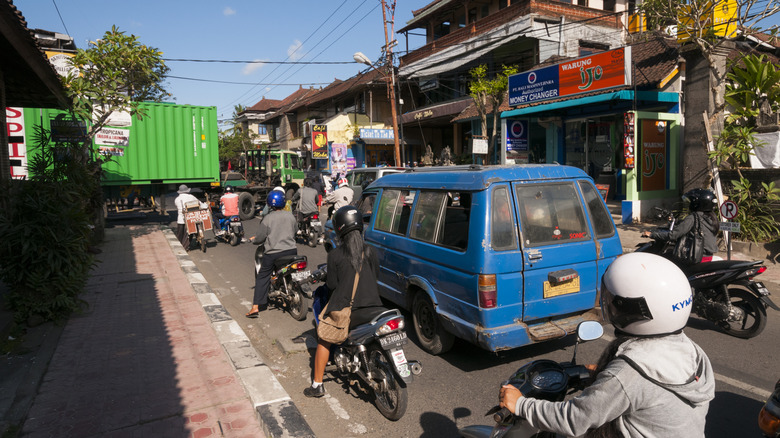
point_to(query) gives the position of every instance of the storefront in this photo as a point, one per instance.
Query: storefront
(629, 141)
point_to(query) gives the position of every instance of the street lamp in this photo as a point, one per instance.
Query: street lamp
(360, 58)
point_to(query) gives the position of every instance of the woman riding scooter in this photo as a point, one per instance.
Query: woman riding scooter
(348, 258)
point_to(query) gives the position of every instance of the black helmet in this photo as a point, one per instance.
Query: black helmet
(701, 200)
(229, 189)
(346, 219)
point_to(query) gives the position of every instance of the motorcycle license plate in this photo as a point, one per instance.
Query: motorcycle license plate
(393, 340)
(301, 275)
(762, 289)
(316, 223)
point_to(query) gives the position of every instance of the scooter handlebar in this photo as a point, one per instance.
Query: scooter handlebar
(502, 415)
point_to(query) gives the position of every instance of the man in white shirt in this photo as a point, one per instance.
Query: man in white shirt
(181, 227)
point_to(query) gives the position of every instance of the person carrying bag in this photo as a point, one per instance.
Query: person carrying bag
(354, 297)
(334, 326)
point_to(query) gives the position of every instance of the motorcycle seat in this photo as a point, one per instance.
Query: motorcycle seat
(364, 332)
(283, 261)
(719, 265)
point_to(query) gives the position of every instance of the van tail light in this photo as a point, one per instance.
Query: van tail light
(487, 291)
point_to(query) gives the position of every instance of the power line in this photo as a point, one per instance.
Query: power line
(256, 61)
(242, 83)
(60, 15)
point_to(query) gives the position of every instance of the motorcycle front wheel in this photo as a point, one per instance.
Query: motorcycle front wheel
(297, 305)
(753, 319)
(391, 397)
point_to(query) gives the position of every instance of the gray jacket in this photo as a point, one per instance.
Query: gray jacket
(277, 231)
(674, 406)
(307, 200)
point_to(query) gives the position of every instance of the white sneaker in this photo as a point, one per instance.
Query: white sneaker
(298, 232)
(322, 240)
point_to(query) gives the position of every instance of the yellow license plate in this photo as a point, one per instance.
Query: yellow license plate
(568, 287)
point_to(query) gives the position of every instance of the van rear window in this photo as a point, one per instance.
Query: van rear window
(551, 213)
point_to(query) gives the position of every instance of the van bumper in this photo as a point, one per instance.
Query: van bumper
(521, 333)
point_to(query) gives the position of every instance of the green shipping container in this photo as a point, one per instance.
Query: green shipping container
(173, 144)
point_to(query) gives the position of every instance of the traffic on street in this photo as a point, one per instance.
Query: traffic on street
(457, 388)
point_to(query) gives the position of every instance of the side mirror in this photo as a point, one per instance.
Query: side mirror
(589, 330)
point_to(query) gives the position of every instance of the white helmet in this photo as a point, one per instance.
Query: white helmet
(278, 189)
(645, 294)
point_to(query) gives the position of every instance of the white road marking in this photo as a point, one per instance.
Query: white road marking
(759, 393)
(335, 406)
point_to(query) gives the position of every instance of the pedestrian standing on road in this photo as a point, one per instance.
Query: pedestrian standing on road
(277, 234)
(181, 226)
(652, 380)
(348, 258)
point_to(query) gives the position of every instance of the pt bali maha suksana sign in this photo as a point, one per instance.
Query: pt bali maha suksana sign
(583, 75)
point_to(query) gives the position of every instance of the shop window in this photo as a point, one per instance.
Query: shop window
(609, 5)
(441, 30)
(485, 10)
(461, 21)
(590, 47)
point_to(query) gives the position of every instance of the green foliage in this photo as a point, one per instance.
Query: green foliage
(756, 215)
(489, 95)
(115, 73)
(733, 146)
(45, 231)
(748, 87)
(233, 144)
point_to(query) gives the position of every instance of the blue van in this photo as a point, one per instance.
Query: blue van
(501, 256)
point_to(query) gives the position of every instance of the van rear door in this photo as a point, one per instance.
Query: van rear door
(559, 253)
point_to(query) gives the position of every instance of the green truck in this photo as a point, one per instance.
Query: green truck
(172, 145)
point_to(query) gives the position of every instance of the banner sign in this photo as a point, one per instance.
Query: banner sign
(583, 75)
(379, 134)
(338, 159)
(319, 141)
(654, 154)
(112, 137)
(17, 147)
(628, 140)
(516, 136)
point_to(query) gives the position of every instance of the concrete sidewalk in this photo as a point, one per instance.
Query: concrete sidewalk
(156, 354)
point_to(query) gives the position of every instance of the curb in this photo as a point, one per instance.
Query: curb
(276, 411)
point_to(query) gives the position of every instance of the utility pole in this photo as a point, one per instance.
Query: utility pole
(391, 82)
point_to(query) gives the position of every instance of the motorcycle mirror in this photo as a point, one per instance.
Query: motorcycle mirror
(589, 330)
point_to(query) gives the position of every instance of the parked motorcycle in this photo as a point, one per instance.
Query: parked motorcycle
(231, 230)
(769, 417)
(543, 379)
(374, 353)
(286, 290)
(724, 290)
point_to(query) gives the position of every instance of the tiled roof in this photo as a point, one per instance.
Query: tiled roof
(265, 105)
(338, 88)
(654, 59)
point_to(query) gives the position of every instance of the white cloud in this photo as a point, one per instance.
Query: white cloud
(228, 11)
(252, 67)
(294, 51)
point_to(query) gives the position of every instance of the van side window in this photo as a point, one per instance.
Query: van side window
(366, 207)
(502, 229)
(599, 215)
(425, 221)
(395, 207)
(454, 233)
(550, 214)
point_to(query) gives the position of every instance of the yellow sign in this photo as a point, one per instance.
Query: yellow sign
(715, 19)
(61, 62)
(567, 287)
(637, 23)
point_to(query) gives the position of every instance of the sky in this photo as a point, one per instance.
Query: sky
(250, 31)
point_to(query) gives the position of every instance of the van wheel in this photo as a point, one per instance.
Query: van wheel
(433, 338)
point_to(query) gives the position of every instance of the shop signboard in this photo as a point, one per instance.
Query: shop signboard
(319, 140)
(655, 157)
(517, 139)
(628, 140)
(717, 18)
(17, 148)
(376, 134)
(583, 75)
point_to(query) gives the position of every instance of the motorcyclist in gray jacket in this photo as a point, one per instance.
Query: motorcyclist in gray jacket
(652, 381)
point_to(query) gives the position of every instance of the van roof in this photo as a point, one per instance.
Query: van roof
(475, 177)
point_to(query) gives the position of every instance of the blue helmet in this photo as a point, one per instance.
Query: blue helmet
(275, 199)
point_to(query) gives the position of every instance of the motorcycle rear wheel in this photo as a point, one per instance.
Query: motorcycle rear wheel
(298, 305)
(392, 401)
(234, 239)
(754, 315)
(201, 238)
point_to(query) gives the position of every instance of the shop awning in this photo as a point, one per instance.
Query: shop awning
(624, 95)
(440, 110)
